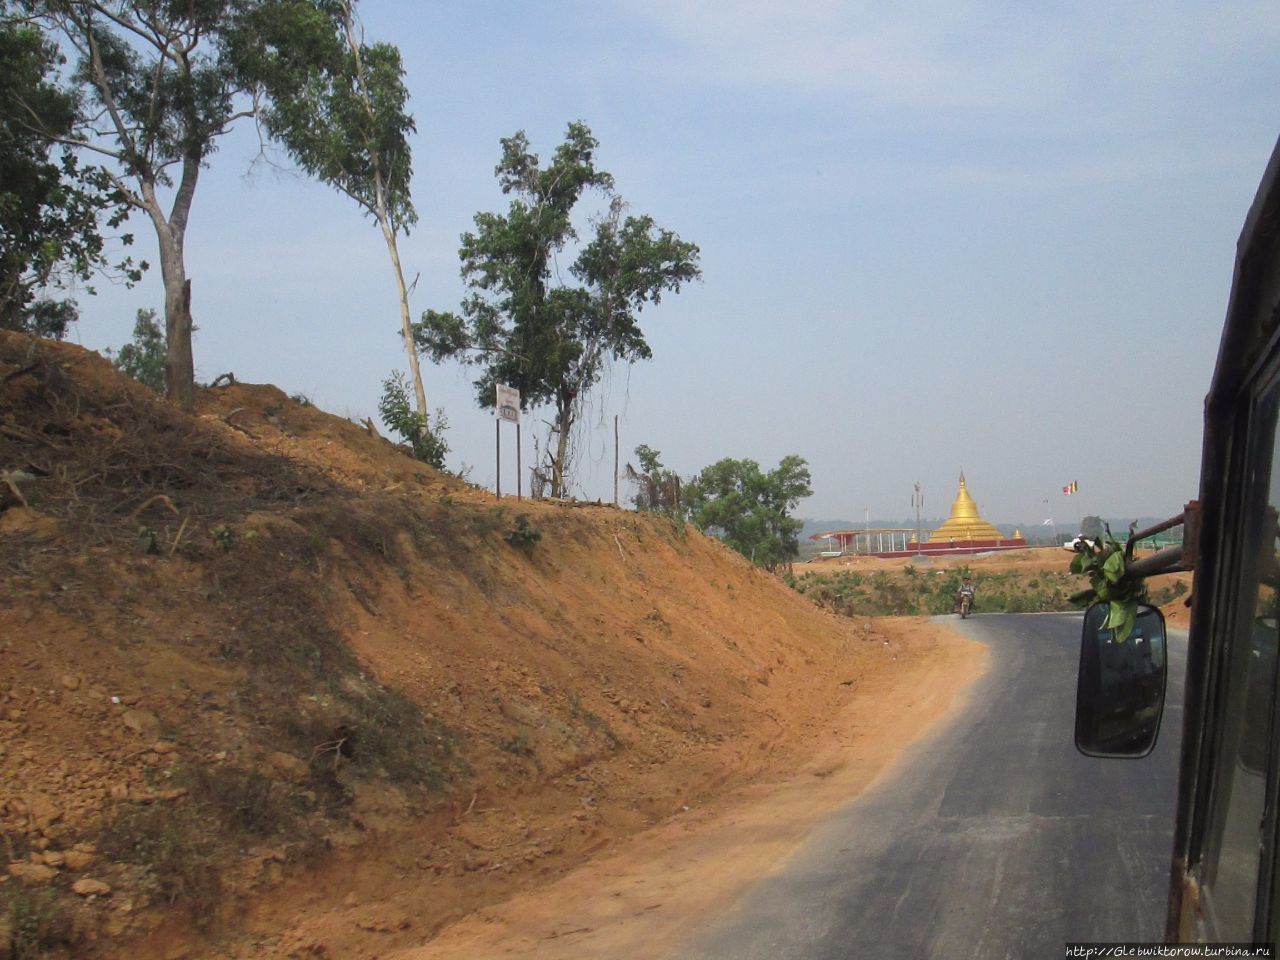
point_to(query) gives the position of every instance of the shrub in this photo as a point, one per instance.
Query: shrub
(37, 923)
(524, 535)
(172, 843)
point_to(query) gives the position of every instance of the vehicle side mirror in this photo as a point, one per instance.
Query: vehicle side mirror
(1120, 691)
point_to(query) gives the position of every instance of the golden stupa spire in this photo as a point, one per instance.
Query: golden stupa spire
(965, 523)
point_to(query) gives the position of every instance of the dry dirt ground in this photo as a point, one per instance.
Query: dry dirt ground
(270, 688)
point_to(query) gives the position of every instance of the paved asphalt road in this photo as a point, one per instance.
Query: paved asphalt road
(990, 839)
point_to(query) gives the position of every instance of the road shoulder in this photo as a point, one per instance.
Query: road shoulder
(663, 886)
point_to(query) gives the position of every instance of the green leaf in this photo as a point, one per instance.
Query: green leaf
(1113, 567)
(1120, 619)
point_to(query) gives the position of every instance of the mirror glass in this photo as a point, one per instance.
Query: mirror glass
(1120, 692)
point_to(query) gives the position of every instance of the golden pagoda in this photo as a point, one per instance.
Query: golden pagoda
(965, 525)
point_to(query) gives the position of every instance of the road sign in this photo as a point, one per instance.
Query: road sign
(507, 406)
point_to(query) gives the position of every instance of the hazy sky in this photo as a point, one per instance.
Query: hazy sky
(995, 236)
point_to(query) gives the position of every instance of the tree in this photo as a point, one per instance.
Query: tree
(522, 323)
(657, 488)
(749, 510)
(425, 439)
(51, 207)
(143, 356)
(159, 92)
(338, 105)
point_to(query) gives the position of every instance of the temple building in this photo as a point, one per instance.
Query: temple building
(965, 525)
(964, 532)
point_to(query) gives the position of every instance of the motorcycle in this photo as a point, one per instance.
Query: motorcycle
(966, 605)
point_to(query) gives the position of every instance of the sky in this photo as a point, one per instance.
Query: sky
(995, 237)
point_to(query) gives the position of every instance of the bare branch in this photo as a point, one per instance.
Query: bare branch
(99, 78)
(125, 23)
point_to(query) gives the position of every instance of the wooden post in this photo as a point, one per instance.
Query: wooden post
(497, 457)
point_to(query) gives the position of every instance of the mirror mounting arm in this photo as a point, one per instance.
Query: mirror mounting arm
(1171, 559)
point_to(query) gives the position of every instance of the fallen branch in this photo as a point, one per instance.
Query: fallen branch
(29, 368)
(470, 807)
(177, 541)
(235, 426)
(27, 436)
(333, 745)
(619, 543)
(230, 379)
(13, 488)
(159, 497)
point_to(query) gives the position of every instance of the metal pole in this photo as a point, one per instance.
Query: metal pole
(497, 457)
(519, 468)
(615, 459)
(917, 501)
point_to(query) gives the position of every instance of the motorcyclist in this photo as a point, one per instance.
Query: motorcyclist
(966, 590)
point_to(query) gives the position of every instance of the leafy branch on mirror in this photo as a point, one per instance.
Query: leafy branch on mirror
(1103, 562)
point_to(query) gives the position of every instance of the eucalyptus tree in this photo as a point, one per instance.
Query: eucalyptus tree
(157, 90)
(338, 105)
(524, 323)
(52, 207)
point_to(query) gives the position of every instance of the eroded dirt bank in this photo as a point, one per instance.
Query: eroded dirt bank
(270, 688)
(661, 887)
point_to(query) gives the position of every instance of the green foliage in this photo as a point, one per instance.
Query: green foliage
(337, 104)
(173, 844)
(52, 208)
(143, 356)
(933, 592)
(524, 535)
(244, 801)
(339, 107)
(1104, 565)
(518, 745)
(523, 323)
(657, 488)
(224, 535)
(750, 510)
(425, 439)
(37, 923)
(155, 91)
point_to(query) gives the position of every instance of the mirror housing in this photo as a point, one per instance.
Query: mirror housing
(1121, 686)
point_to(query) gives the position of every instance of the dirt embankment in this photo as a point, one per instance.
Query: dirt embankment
(269, 687)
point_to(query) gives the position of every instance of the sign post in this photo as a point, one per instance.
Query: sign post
(506, 407)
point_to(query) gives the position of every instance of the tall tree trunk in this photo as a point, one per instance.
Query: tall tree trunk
(406, 326)
(384, 217)
(559, 466)
(179, 363)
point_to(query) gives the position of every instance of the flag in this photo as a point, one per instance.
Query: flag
(1048, 523)
(1070, 488)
